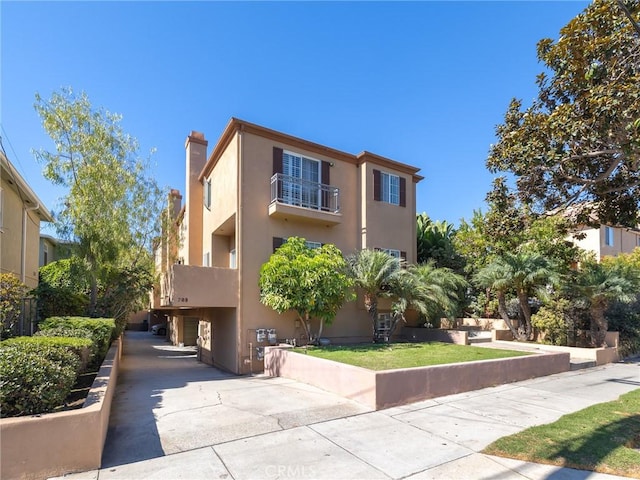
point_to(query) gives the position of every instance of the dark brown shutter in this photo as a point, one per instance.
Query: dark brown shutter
(277, 160)
(325, 180)
(277, 168)
(403, 255)
(403, 192)
(277, 242)
(377, 187)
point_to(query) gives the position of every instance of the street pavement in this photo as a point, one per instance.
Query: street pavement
(175, 418)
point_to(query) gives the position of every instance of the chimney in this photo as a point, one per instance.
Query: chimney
(196, 158)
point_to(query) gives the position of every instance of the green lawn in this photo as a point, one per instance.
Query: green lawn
(604, 438)
(405, 355)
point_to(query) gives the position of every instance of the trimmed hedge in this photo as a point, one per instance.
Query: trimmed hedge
(103, 331)
(81, 347)
(36, 377)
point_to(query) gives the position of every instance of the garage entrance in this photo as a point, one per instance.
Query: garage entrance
(190, 332)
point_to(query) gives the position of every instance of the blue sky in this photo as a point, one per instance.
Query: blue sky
(423, 83)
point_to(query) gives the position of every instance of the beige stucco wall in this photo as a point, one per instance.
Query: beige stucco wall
(258, 229)
(385, 225)
(11, 242)
(54, 444)
(624, 241)
(239, 218)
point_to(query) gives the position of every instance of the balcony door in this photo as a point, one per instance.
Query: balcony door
(301, 184)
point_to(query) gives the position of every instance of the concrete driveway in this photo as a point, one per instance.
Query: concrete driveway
(174, 418)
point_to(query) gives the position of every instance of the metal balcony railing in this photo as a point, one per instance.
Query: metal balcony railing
(303, 193)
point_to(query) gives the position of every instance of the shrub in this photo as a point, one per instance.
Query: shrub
(551, 322)
(81, 347)
(102, 332)
(12, 291)
(36, 378)
(625, 319)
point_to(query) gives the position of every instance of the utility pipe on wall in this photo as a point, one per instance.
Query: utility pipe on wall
(23, 253)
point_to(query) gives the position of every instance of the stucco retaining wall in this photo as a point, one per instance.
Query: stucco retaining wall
(413, 334)
(53, 444)
(382, 389)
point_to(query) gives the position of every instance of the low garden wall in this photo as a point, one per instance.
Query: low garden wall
(388, 388)
(415, 334)
(600, 355)
(53, 444)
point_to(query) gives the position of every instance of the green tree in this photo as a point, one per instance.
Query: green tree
(578, 144)
(373, 271)
(63, 288)
(526, 274)
(313, 282)
(598, 285)
(112, 207)
(435, 243)
(12, 291)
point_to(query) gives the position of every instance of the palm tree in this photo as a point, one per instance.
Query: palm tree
(527, 273)
(431, 291)
(599, 284)
(374, 272)
(435, 242)
(495, 277)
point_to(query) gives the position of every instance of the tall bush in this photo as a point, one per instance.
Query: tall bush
(12, 291)
(103, 331)
(36, 378)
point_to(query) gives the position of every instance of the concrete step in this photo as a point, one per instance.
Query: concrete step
(473, 340)
(580, 363)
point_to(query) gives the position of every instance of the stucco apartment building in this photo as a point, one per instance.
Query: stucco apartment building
(607, 240)
(252, 190)
(21, 213)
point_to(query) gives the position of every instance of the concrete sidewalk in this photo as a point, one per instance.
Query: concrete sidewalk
(174, 418)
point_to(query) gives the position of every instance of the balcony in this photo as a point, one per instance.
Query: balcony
(188, 286)
(303, 200)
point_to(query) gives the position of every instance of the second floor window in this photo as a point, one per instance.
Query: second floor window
(303, 186)
(207, 193)
(389, 188)
(608, 236)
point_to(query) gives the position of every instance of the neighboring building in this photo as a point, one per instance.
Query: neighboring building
(607, 240)
(21, 212)
(256, 188)
(52, 249)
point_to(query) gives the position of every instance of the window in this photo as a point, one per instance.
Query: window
(399, 254)
(302, 188)
(207, 194)
(45, 254)
(278, 241)
(637, 240)
(393, 252)
(608, 236)
(233, 259)
(206, 260)
(389, 188)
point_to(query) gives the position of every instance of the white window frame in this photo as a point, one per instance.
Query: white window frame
(233, 258)
(609, 236)
(313, 245)
(390, 185)
(301, 194)
(206, 259)
(207, 194)
(393, 252)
